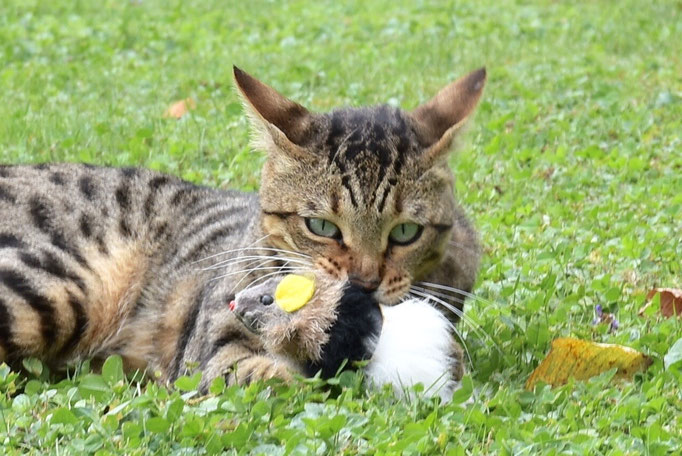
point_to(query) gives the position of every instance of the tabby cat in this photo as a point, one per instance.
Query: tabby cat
(99, 261)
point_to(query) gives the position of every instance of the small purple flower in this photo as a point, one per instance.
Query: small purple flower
(599, 312)
(605, 317)
(614, 324)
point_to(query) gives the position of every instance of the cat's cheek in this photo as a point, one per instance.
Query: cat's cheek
(334, 267)
(395, 285)
(278, 233)
(395, 282)
(420, 261)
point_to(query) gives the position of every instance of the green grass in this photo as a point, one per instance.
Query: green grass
(571, 170)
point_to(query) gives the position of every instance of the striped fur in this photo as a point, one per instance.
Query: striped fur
(99, 261)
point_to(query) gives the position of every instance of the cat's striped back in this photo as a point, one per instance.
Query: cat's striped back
(84, 251)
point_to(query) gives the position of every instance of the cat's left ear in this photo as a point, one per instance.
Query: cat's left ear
(286, 122)
(439, 119)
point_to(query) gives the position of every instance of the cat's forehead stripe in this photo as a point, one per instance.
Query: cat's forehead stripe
(368, 147)
(345, 181)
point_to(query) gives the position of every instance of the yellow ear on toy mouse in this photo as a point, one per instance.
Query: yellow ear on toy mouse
(294, 292)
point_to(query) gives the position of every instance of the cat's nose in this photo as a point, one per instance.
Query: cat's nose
(367, 285)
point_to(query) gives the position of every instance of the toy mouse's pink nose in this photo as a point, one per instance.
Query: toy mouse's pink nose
(233, 305)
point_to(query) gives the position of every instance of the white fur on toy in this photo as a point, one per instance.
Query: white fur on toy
(415, 346)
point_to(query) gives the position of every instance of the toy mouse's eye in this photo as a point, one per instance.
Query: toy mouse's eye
(323, 227)
(266, 300)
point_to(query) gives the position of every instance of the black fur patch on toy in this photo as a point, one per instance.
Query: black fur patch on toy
(352, 336)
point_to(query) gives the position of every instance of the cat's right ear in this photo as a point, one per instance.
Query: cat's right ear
(284, 121)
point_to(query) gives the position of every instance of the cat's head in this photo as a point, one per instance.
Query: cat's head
(367, 192)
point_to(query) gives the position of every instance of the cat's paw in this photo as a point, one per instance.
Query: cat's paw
(259, 367)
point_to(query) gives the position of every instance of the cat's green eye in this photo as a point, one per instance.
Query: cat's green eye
(323, 227)
(405, 233)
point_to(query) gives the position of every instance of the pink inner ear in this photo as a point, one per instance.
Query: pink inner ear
(233, 305)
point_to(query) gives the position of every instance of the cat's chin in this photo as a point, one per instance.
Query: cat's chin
(390, 299)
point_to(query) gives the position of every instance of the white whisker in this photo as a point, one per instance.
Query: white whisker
(439, 294)
(258, 279)
(237, 260)
(455, 290)
(447, 305)
(273, 249)
(265, 276)
(465, 318)
(459, 335)
(241, 259)
(246, 271)
(279, 270)
(468, 320)
(232, 250)
(258, 265)
(256, 248)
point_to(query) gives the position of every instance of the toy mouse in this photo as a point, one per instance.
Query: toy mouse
(319, 323)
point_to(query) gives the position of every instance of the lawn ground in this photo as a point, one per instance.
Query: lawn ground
(570, 170)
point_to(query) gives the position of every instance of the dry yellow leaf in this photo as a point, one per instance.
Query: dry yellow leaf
(180, 108)
(581, 360)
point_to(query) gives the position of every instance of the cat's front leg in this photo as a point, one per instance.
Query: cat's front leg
(239, 356)
(240, 365)
(457, 367)
(210, 339)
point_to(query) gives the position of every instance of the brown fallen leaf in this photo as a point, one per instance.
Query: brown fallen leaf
(582, 359)
(671, 301)
(180, 108)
